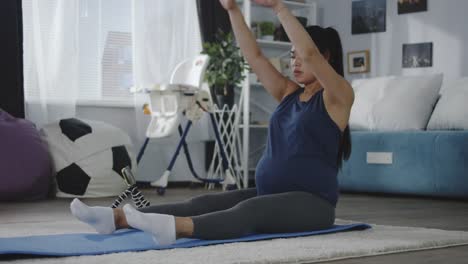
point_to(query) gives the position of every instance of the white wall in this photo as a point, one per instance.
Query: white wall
(444, 24)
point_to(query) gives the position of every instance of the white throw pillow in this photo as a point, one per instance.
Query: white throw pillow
(451, 112)
(407, 103)
(394, 103)
(366, 93)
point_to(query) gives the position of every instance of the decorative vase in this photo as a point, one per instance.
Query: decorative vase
(222, 100)
(225, 96)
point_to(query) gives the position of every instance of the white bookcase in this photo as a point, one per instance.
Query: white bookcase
(256, 100)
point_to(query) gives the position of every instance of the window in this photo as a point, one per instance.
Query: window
(95, 51)
(105, 70)
(105, 44)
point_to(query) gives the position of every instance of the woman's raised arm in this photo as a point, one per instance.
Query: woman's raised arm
(273, 81)
(337, 88)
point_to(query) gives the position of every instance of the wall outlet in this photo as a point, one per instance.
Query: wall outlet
(379, 157)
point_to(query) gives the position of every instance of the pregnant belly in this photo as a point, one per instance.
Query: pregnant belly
(309, 174)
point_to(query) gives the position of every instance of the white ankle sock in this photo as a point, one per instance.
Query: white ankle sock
(101, 218)
(161, 226)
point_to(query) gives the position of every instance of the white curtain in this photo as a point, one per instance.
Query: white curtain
(51, 56)
(164, 34)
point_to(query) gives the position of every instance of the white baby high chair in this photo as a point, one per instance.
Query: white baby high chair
(185, 95)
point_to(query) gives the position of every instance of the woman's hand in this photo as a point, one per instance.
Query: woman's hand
(228, 4)
(275, 4)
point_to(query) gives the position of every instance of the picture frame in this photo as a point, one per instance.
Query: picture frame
(417, 55)
(411, 6)
(359, 61)
(368, 16)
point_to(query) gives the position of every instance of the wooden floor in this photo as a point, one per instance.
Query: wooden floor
(385, 210)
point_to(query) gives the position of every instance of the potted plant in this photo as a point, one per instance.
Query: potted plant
(267, 29)
(226, 68)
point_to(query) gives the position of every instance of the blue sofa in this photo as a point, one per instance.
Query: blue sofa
(429, 163)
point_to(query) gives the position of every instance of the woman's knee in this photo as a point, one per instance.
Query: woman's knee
(229, 198)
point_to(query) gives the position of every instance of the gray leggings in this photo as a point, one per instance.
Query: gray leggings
(239, 213)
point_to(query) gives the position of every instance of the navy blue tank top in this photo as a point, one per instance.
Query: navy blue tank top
(301, 150)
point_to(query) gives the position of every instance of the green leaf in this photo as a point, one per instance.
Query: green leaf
(226, 65)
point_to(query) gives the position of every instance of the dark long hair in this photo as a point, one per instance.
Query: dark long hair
(328, 40)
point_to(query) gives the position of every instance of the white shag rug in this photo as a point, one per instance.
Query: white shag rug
(376, 241)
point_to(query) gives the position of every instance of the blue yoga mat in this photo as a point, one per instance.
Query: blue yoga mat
(127, 240)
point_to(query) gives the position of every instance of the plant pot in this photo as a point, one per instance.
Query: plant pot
(222, 100)
(268, 37)
(223, 96)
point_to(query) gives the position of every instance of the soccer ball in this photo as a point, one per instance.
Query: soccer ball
(88, 157)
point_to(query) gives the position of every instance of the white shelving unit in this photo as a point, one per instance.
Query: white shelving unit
(274, 44)
(253, 12)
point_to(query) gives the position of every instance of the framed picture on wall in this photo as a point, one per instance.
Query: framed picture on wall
(368, 16)
(411, 6)
(358, 61)
(417, 55)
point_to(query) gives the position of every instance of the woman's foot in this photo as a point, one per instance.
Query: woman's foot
(101, 218)
(161, 226)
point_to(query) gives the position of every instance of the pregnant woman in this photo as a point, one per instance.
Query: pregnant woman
(296, 178)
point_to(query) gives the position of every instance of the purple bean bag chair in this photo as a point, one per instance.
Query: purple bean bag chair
(26, 168)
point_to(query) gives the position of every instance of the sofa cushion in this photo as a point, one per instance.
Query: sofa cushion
(394, 103)
(367, 93)
(407, 103)
(452, 108)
